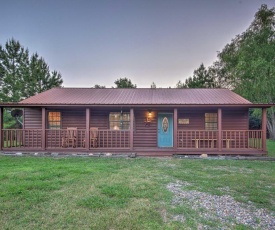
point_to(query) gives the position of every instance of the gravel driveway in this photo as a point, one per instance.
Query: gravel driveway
(223, 209)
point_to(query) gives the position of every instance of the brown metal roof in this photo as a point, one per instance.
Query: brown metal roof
(112, 96)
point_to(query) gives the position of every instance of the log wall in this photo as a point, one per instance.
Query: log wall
(145, 135)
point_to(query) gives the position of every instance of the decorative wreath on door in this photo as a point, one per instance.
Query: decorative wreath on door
(165, 125)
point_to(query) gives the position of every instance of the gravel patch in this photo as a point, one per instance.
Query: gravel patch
(222, 208)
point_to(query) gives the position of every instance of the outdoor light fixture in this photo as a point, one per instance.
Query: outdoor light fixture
(148, 118)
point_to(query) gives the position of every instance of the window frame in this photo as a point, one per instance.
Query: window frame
(120, 121)
(54, 127)
(211, 121)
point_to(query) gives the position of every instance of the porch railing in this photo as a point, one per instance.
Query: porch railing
(255, 138)
(231, 139)
(120, 139)
(242, 139)
(22, 138)
(106, 139)
(197, 139)
(114, 139)
(58, 138)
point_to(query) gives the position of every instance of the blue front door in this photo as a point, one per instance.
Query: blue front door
(165, 130)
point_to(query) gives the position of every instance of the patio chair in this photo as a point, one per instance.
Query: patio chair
(70, 138)
(93, 137)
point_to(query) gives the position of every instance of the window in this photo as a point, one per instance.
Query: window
(119, 121)
(54, 120)
(211, 121)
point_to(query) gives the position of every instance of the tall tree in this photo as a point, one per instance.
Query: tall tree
(39, 77)
(219, 76)
(22, 76)
(13, 68)
(124, 83)
(200, 79)
(247, 64)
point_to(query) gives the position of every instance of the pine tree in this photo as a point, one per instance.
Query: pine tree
(200, 79)
(22, 76)
(14, 66)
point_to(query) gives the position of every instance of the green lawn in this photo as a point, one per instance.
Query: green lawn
(119, 193)
(270, 148)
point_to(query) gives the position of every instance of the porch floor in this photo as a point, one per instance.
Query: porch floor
(147, 151)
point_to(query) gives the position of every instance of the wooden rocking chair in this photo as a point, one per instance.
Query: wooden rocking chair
(93, 137)
(70, 139)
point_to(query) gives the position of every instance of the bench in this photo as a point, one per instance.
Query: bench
(212, 142)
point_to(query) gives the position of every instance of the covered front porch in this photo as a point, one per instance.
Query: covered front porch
(141, 135)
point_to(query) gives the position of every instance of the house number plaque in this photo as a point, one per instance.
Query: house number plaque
(183, 121)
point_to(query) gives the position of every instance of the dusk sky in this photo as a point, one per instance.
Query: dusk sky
(97, 42)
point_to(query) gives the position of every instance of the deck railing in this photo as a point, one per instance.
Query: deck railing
(58, 138)
(242, 139)
(120, 139)
(22, 138)
(255, 138)
(197, 139)
(231, 139)
(114, 139)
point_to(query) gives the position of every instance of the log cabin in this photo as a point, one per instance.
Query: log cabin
(148, 122)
